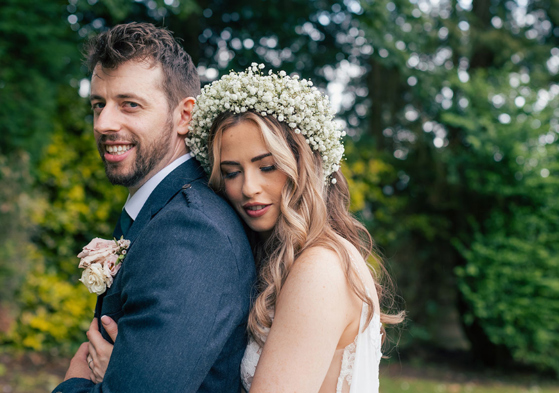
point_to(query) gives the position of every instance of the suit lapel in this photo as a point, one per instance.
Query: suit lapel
(163, 193)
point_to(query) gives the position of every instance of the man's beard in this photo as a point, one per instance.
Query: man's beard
(147, 157)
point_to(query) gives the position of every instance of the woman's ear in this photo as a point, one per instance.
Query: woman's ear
(184, 109)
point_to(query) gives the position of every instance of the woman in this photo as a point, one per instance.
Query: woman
(271, 147)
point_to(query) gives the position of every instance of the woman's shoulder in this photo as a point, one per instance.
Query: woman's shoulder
(316, 289)
(328, 257)
(318, 285)
(325, 265)
(318, 259)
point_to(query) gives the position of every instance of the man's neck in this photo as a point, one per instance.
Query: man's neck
(136, 201)
(164, 164)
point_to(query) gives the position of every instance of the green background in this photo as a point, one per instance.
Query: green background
(453, 120)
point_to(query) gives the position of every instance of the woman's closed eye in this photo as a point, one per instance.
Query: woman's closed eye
(230, 175)
(233, 174)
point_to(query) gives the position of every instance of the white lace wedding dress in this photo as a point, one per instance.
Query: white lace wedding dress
(360, 361)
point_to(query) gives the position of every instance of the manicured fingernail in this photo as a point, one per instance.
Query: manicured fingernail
(106, 320)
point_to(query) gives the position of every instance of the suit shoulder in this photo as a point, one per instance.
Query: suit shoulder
(198, 206)
(199, 198)
(196, 214)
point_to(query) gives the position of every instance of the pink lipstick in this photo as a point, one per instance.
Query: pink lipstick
(256, 210)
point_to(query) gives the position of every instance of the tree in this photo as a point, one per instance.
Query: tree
(37, 54)
(462, 106)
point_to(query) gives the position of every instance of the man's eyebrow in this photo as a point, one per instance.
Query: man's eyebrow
(260, 157)
(124, 96)
(129, 95)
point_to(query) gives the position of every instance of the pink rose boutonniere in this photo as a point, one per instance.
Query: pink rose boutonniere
(101, 260)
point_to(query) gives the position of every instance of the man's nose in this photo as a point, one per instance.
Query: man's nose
(108, 120)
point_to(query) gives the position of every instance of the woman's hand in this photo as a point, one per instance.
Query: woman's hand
(78, 364)
(100, 350)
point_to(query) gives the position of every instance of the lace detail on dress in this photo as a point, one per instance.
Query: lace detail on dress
(371, 338)
(348, 360)
(250, 360)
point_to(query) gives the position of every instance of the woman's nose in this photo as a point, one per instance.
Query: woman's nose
(251, 184)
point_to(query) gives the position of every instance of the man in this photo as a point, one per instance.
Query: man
(181, 298)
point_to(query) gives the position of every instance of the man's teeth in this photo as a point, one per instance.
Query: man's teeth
(117, 149)
(259, 207)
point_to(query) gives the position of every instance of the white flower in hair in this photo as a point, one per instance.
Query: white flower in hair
(290, 100)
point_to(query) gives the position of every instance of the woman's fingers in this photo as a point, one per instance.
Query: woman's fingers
(110, 326)
(100, 351)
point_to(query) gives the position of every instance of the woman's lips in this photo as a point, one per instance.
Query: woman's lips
(255, 211)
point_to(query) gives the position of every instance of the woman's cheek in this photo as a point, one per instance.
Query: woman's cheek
(230, 192)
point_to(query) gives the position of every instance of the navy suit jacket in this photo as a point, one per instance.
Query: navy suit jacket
(181, 297)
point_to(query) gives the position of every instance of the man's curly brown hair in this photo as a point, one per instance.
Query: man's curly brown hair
(145, 42)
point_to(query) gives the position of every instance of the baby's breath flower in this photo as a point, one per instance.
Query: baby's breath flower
(291, 100)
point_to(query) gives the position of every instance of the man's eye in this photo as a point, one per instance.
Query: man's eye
(97, 105)
(131, 104)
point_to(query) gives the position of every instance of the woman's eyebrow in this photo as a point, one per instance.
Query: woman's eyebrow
(258, 158)
(229, 163)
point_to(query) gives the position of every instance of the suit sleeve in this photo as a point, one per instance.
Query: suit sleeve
(185, 305)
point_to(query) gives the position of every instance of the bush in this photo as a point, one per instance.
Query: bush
(74, 203)
(15, 200)
(510, 280)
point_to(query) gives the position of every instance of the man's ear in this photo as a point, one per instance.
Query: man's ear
(185, 108)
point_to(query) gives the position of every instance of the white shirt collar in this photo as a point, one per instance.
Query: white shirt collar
(135, 202)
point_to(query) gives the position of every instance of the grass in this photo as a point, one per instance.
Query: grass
(442, 378)
(414, 385)
(30, 373)
(33, 373)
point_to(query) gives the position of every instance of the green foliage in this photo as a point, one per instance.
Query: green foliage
(14, 204)
(38, 51)
(54, 314)
(15, 245)
(80, 203)
(452, 165)
(77, 203)
(367, 173)
(510, 279)
(465, 108)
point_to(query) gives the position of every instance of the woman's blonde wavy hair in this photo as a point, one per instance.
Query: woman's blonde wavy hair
(312, 214)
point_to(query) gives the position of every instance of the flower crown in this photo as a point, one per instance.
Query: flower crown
(290, 100)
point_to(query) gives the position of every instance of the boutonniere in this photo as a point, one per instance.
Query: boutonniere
(101, 260)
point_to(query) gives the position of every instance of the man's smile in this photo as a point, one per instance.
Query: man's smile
(117, 149)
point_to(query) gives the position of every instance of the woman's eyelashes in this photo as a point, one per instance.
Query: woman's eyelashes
(231, 175)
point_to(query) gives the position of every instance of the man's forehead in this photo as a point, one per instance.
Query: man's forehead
(129, 69)
(133, 78)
